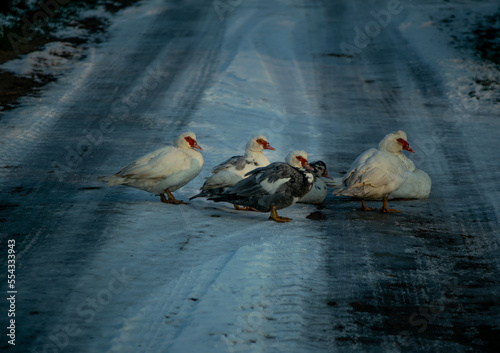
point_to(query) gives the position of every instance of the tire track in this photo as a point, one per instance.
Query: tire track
(445, 239)
(81, 215)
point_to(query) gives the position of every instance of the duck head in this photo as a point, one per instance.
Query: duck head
(320, 169)
(187, 140)
(395, 142)
(259, 143)
(298, 159)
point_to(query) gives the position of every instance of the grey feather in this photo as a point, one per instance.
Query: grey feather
(249, 191)
(238, 162)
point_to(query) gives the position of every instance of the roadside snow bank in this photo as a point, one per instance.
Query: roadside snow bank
(53, 60)
(473, 84)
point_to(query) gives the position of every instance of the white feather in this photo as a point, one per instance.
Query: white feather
(170, 167)
(377, 172)
(226, 174)
(317, 194)
(273, 187)
(416, 186)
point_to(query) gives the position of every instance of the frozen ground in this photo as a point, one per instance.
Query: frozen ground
(103, 269)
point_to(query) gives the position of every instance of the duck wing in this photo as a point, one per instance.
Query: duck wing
(372, 170)
(235, 162)
(157, 165)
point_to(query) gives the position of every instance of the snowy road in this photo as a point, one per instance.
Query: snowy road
(103, 269)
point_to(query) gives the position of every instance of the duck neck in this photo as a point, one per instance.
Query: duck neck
(255, 154)
(407, 161)
(308, 174)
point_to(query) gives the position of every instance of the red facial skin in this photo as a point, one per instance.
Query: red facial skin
(192, 143)
(304, 162)
(265, 144)
(325, 175)
(406, 145)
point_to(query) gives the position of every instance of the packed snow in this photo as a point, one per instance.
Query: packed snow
(127, 273)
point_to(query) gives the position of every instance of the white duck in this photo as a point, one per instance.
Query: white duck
(378, 172)
(319, 190)
(416, 186)
(234, 169)
(163, 171)
(274, 187)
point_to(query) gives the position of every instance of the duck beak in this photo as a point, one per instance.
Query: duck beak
(408, 148)
(195, 145)
(325, 175)
(305, 164)
(406, 145)
(267, 146)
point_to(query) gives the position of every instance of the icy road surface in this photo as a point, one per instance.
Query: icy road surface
(102, 269)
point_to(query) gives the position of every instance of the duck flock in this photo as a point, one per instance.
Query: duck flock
(250, 182)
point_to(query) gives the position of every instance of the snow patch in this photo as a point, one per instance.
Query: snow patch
(472, 84)
(53, 60)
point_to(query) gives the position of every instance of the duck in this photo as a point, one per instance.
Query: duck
(319, 189)
(274, 187)
(416, 187)
(235, 168)
(164, 170)
(378, 172)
